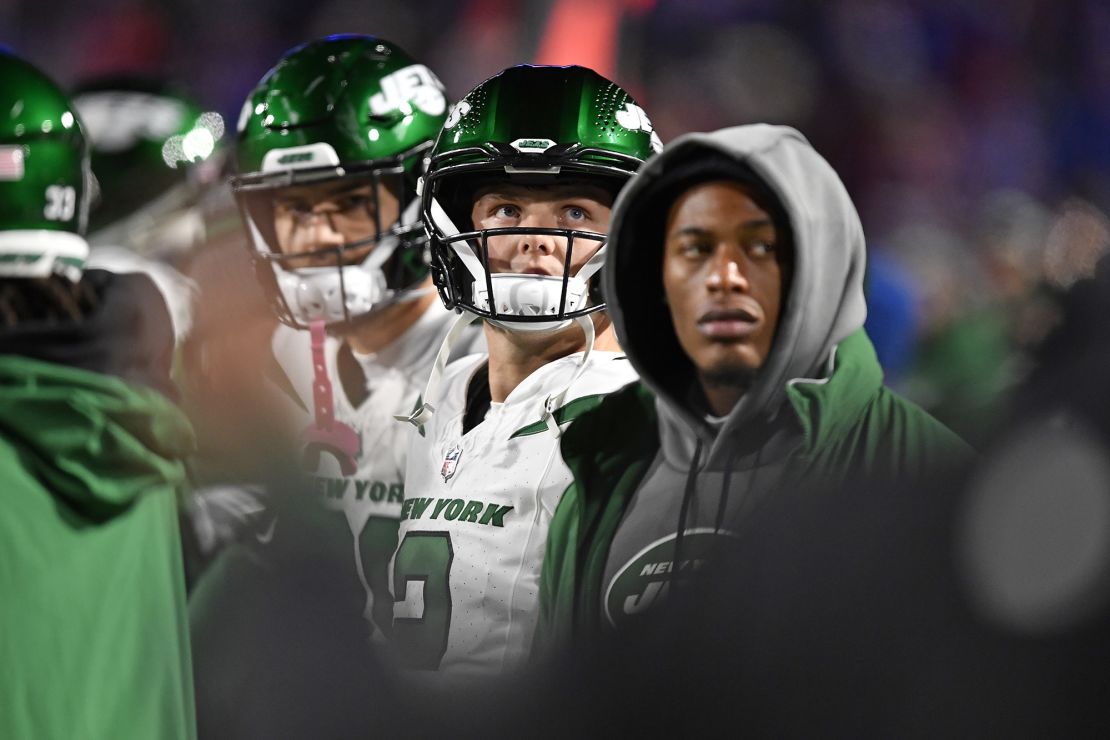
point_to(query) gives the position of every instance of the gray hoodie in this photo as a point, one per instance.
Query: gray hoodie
(741, 456)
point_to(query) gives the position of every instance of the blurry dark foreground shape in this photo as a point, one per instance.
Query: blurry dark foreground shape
(967, 607)
(273, 655)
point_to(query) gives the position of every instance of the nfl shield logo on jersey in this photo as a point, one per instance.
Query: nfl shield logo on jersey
(450, 462)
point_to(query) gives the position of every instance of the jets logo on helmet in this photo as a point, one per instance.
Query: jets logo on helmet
(518, 127)
(300, 157)
(343, 113)
(537, 146)
(414, 84)
(457, 112)
(633, 118)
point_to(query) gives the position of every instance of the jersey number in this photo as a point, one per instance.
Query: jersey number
(376, 543)
(422, 611)
(61, 203)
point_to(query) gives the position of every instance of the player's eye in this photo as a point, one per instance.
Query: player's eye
(506, 210)
(293, 209)
(354, 203)
(575, 213)
(761, 248)
(694, 248)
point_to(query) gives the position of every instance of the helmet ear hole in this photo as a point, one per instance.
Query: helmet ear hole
(597, 295)
(441, 283)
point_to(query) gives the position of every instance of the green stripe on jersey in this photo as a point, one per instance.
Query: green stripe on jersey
(563, 415)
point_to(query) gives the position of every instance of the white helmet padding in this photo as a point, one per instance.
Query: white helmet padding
(40, 253)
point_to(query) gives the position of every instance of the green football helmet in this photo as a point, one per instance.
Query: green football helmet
(344, 109)
(153, 152)
(533, 126)
(44, 176)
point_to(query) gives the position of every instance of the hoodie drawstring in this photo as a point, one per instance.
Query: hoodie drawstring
(722, 501)
(691, 487)
(749, 502)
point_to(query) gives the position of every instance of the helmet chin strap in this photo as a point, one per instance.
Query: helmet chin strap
(593, 264)
(554, 402)
(424, 412)
(412, 295)
(411, 213)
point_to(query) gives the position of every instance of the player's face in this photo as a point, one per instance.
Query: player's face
(723, 276)
(577, 207)
(310, 218)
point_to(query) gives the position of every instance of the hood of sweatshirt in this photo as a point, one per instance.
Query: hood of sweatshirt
(823, 306)
(92, 440)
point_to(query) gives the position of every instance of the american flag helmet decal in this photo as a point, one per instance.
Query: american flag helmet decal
(11, 163)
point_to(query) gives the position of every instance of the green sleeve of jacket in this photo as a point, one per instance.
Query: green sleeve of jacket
(608, 449)
(855, 427)
(914, 445)
(557, 576)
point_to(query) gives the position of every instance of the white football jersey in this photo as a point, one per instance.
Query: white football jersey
(368, 503)
(477, 509)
